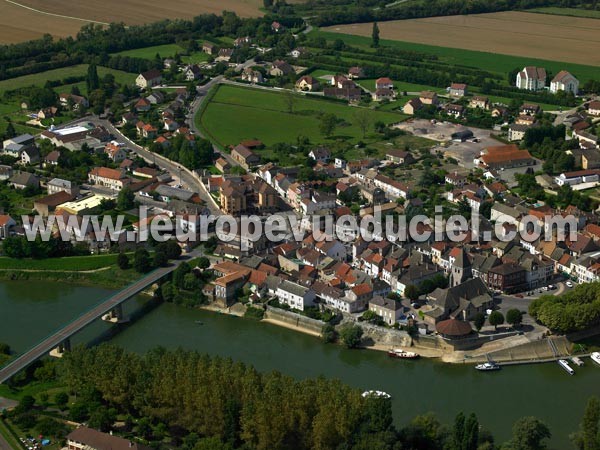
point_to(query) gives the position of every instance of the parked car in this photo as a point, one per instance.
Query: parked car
(569, 284)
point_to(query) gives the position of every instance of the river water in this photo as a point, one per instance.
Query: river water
(29, 311)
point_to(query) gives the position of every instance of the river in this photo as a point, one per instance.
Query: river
(29, 311)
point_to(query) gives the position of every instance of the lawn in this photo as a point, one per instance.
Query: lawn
(400, 86)
(195, 58)
(39, 79)
(574, 12)
(165, 51)
(72, 263)
(237, 113)
(492, 62)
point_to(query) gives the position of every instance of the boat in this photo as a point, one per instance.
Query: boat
(376, 394)
(488, 366)
(595, 357)
(565, 365)
(399, 353)
(577, 361)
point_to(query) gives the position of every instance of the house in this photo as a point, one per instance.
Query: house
(593, 108)
(500, 111)
(128, 117)
(156, 97)
(73, 101)
(241, 41)
(389, 310)
(208, 48)
(295, 295)
(298, 52)
(146, 130)
(115, 151)
(479, 101)
(7, 223)
(192, 72)
(516, 132)
(169, 62)
(355, 73)
(143, 105)
(320, 154)
(530, 109)
(383, 94)
(111, 178)
(24, 180)
(384, 83)
(508, 277)
(458, 90)
(84, 438)
(463, 301)
(531, 78)
(47, 205)
(564, 81)
(452, 109)
(244, 156)
(429, 98)
(222, 165)
(281, 68)
(57, 185)
(577, 177)
(5, 172)
(149, 79)
(412, 106)
(277, 27)
(224, 54)
(505, 157)
(307, 83)
(456, 179)
(398, 156)
(30, 155)
(47, 113)
(23, 139)
(252, 76)
(349, 94)
(51, 159)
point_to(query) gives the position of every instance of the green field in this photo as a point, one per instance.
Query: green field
(400, 86)
(165, 51)
(237, 113)
(73, 263)
(492, 62)
(574, 12)
(40, 79)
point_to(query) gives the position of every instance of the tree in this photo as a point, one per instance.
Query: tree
(92, 80)
(496, 318)
(587, 437)
(458, 431)
(290, 101)
(203, 263)
(479, 321)
(514, 317)
(362, 119)
(123, 261)
(529, 434)
(471, 436)
(375, 35)
(10, 131)
(268, 4)
(328, 124)
(141, 260)
(411, 292)
(351, 335)
(4, 349)
(125, 199)
(61, 399)
(160, 258)
(328, 333)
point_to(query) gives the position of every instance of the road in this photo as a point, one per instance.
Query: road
(85, 319)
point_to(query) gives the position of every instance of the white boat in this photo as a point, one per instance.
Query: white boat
(376, 394)
(399, 353)
(595, 357)
(577, 361)
(488, 366)
(565, 365)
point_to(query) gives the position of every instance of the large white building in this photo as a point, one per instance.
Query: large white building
(564, 81)
(531, 78)
(295, 295)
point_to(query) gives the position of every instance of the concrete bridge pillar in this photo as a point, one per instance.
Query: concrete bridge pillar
(115, 315)
(63, 347)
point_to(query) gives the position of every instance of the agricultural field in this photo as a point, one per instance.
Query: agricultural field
(237, 113)
(40, 79)
(165, 51)
(575, 12)
(525, 35)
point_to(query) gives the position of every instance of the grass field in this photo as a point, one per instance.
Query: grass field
(237, 113)
(588, 13)
(548, 39)
(165, 51)
(73, 263)
(40, 79)
(400, 86)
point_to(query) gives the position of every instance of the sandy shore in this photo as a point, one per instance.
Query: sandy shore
(280, 323)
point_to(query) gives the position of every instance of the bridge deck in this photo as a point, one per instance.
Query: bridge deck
(82, 321)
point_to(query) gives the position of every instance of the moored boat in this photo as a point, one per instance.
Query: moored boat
(565, 365)
(577, 361)
(488, 366)
(376, 394)
(595, 357)
(399, 353)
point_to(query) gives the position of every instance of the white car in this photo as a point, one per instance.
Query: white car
(569, 284)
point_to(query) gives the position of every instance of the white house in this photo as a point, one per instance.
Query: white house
(389, 310)
(149, 79)
(577, 177)
(564, 81)
(295, 295)
(531, 78)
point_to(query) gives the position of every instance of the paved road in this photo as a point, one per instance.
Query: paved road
(85, 319)
(4, 445)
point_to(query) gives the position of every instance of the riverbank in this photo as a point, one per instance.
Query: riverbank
(108, 277)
